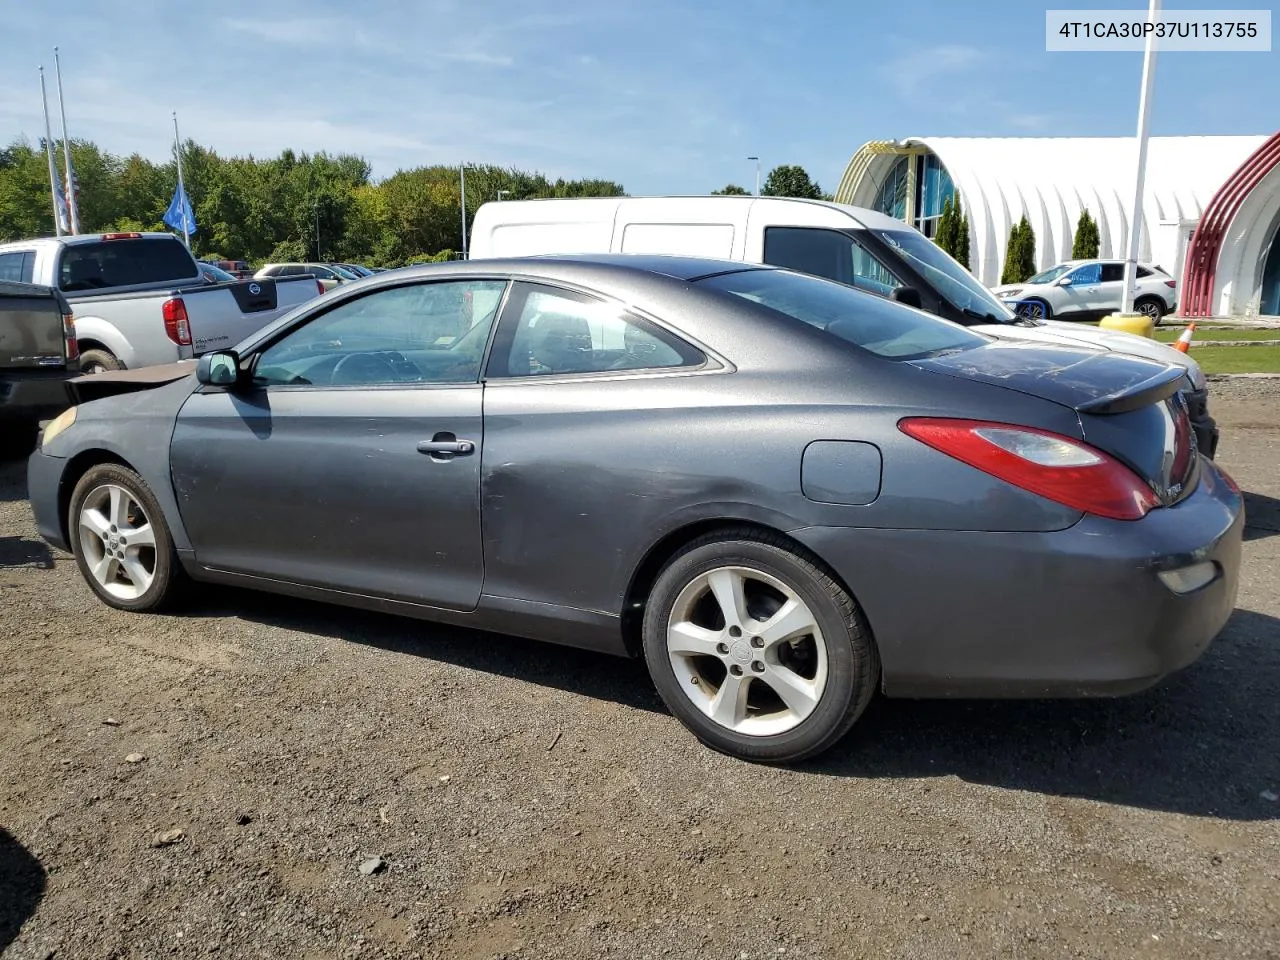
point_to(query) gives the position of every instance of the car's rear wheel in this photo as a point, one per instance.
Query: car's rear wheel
(1034, 309)
(1151, 308)
(757, 649)
(121, 542)
(99, 361)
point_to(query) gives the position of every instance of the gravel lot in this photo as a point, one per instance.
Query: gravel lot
(525, 800)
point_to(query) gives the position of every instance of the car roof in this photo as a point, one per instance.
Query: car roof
(588, 264)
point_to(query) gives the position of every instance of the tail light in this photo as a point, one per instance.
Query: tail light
(69, 337)
(176, 324)
(121, 236)
(1171, 283)
(1058, 468)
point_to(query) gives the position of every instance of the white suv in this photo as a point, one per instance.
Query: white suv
(1088, 289)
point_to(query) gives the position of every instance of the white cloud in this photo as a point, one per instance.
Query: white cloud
(921, 71)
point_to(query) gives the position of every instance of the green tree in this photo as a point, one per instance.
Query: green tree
(1020, 253)
(961, 251)
(1087, 241)
(946, 230)
(790, 180)
(730, 190)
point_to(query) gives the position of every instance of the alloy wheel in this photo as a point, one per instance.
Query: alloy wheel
(118, 542)
(747, 651)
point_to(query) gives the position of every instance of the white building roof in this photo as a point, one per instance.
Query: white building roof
(1051, 179)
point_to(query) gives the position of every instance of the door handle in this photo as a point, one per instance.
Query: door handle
(446, 446)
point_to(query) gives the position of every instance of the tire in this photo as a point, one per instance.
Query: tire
(123, 503)
(1152, 307)
(99, 361)
(1036, 304)
(18, 437)
(830, 672)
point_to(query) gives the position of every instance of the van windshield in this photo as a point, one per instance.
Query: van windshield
(946, 276)
(887, 329)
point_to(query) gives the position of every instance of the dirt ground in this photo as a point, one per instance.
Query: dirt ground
(531, 801)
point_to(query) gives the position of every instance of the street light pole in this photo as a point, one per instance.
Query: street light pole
(757, 160)
(1144, 108)
(317, 212)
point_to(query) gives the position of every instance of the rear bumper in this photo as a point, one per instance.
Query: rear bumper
(1078, 612)
(35, 397)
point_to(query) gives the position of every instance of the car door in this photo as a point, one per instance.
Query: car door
(1076, 292)
(350, 457)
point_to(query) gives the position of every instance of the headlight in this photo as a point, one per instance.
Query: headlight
(59, 423)
(1010, 294)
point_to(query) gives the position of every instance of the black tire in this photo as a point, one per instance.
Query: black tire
(1153, 307)
(18, 437)
(853, 664)
(98, 361)
(168, 579)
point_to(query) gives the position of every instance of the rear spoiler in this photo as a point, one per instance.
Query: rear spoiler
(1159, 387)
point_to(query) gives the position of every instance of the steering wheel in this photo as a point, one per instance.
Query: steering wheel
(362, 368)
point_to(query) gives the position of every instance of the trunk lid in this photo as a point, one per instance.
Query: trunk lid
(1127, 406)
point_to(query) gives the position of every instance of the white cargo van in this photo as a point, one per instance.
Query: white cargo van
(851, 245)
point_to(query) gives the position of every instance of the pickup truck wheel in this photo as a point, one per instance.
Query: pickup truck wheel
(121, 542)
(18, 438)
(99, 361)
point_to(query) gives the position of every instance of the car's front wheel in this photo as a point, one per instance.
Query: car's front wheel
(1034, 309)
(757, 649)
(121, 542)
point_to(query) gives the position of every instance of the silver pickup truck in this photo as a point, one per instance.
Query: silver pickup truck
(140, 298)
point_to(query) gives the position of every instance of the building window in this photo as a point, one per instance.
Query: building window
(933, 188)
(892, 200)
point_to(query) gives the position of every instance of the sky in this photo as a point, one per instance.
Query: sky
(662, 96)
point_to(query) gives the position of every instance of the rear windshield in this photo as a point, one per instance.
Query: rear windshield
(124, 263)
(880, 326)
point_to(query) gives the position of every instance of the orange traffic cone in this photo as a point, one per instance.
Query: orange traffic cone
(1184, 341)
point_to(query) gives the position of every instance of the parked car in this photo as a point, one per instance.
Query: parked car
(213, 273)
(857, 247)
(38, 352)
(781, 492)
(141, 299)
(326, 274)
(1088, 290)
(354, 268)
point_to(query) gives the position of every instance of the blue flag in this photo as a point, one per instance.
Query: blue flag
(180, 211)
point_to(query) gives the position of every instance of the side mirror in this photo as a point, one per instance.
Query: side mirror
(1065, 281)
(909, 296)
(220, 369)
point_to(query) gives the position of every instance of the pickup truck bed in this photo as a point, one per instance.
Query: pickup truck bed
(37, 356)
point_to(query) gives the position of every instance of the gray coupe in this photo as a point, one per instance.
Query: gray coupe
(783, 493)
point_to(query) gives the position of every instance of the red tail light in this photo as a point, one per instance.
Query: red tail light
(1171, 283)
(1058, 468)
(176, 324)
(69, 337)
(121, 236)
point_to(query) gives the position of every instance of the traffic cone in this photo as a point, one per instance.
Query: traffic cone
(1184, 341)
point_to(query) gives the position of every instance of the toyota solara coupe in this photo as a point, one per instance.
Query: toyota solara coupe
(785, 494)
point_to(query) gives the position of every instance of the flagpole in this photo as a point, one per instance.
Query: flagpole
(182, 190)
(73, 205)
(48, 149)
(1144, 114)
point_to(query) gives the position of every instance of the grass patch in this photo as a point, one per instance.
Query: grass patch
(1170, 335)
(1238, 359)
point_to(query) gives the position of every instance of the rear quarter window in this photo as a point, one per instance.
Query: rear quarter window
(882, 327)
(125, 263)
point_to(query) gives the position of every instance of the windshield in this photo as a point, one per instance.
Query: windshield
(946, 276)
(345, 274)
(887, 329)
(1052, 274)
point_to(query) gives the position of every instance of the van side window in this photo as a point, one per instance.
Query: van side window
(829, 254)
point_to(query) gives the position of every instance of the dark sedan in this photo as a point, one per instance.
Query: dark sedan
(781, 492)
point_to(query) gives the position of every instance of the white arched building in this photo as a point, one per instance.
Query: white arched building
(1050, 180)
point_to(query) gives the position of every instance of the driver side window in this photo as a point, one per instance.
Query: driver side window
(419, 333)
